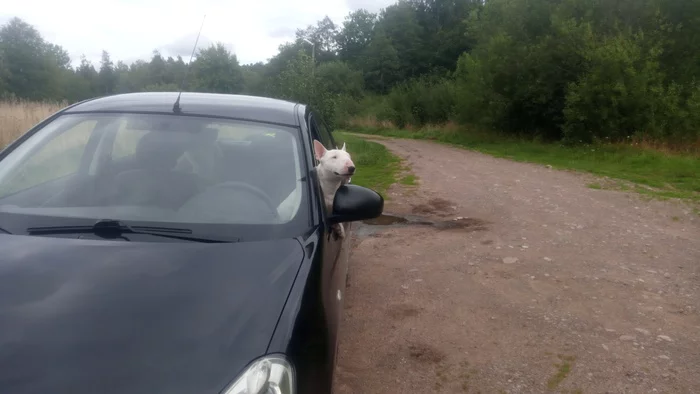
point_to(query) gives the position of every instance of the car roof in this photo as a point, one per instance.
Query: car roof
(261, 109)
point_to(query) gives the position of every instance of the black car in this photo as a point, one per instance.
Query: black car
(153, 248)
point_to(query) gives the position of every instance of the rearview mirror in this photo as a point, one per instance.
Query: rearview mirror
(353, 203)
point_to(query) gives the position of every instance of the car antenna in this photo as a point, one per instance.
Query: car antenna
(176, 106)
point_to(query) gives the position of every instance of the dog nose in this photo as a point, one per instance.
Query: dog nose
(351, 169)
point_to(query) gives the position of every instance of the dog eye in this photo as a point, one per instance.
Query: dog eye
(334, 157)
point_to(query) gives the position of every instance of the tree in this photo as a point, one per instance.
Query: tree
(337, 78)
(217, 70)
(355, 36)
(254, 82)
(5, 93)
(138, 77)
(399, 23)
(445, 28)
(121, 74)
(86, 71)
(59, 55)
(175, 70)
(30, 64)
(295, 81)
(157, 70)
(107, 76)
(323, 35)
(285, 53)
(382, 64)
(574, 69)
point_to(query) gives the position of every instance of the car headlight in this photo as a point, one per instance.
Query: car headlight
(267, 375)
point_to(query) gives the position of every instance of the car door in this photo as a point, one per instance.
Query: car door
(335, 264)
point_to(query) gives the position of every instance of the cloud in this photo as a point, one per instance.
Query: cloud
(183, 46)
(369, 5)
(283, 32)
(132, 29)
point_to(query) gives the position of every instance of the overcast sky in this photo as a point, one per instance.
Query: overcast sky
(132, 29)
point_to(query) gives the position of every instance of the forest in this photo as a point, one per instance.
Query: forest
(572, 71)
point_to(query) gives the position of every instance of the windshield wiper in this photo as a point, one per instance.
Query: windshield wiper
(115, 228)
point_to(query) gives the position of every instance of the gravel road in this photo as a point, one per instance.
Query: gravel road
(515, 278)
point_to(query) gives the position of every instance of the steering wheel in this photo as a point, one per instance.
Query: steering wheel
(250, 188)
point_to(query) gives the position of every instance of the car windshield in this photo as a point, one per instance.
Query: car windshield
(157, 168)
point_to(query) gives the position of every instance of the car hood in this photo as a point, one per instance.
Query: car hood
(81, 316)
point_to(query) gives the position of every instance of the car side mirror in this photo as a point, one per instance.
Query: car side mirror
(353, 203)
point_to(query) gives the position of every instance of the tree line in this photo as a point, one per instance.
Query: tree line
(570, 70)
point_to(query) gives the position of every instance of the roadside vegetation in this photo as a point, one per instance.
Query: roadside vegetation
(18, 116)
(653, 172)
(605, 87)
(377, 168)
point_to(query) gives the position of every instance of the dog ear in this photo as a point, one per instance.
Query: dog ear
(319, 150)
(343, 148)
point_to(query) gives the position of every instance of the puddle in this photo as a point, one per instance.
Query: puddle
(436, 206)
(385, 220)
(372, 226)
(462, 223)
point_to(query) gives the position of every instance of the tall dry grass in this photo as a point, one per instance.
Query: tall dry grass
(370, 122)
(18, 116)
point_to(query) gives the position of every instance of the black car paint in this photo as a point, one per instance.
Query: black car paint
(306, 323)
(136, 317)
(230, 106)
(308, 329)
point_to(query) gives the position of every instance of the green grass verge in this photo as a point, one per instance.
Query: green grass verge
(408, 180)
(377, 168)
(659, 175)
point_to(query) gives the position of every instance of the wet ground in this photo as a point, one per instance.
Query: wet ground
(388, 220)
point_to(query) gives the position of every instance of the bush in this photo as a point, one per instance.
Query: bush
(421, 101)
(579, 71)
(623, 95)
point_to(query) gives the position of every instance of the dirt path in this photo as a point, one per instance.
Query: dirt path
(546, 286)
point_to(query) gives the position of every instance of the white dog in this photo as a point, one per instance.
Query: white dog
(335, 168)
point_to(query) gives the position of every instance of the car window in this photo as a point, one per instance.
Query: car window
(325, 133)
(125, 141)
(57, 158)
(160, 168)
(321, 133)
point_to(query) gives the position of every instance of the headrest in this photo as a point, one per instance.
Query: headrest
(162, 148)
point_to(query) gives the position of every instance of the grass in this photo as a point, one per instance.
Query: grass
(563, 370)
(377, 168)
(408, 180)
(18, 116)
(657, 174)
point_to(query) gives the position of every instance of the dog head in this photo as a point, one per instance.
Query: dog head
(334, 161)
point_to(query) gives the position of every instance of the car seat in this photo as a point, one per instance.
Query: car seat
(153, 181)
